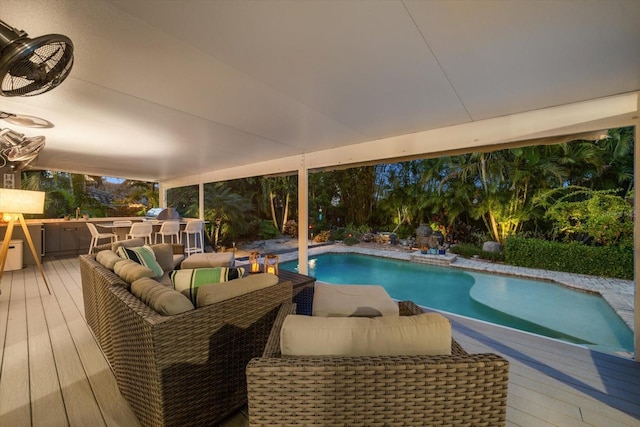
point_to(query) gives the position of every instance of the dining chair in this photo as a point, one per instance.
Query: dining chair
(96, 236)
(141, 229)
(195, 229)
(169, 229)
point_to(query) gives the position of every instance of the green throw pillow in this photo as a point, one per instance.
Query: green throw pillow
(188, 280)
(143, 255)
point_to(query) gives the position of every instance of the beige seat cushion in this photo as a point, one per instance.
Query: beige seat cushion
(177, 260)
(162, 299)
(209, 259)
(216, 292)
(423, 334)
(352, 300)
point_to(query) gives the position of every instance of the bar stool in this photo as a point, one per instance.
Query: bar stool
(169, 229)
(96, 236)
(141, 229)
(120, 223)
(193, 228)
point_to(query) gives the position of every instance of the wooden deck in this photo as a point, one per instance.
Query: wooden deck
(52, 372)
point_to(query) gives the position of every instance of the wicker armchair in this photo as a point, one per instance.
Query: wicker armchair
(181, 370)
(461, 389)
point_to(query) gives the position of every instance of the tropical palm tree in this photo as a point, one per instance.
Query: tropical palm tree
(230, 214)
(280, 194)
(356, 193)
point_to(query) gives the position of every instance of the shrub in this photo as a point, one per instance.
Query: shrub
(322, 236)
(574, 257)
(337, 234)
(267, 230)
(492, 256)
(468, 250)
(350, 241)
(291, 228)
(360, 229)
(405, 231)
(343, 233)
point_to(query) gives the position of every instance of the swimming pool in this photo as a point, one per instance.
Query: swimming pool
(535, 306)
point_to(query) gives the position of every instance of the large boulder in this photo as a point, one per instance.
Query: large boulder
(492, 247)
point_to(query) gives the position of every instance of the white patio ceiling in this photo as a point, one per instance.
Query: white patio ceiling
(180, 91)
(190, 91)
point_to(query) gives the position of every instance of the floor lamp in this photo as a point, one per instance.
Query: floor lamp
(13, 204)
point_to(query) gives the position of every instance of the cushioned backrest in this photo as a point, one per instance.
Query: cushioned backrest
(162, 299)
(129, 243)
(130, 271)
(164, 255)
(108, 258)
(216, 292)
(188, 281)
(423, 334)
(352, 300)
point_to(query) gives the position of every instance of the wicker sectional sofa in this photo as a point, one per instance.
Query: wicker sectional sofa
(183, 369)
(460, 389)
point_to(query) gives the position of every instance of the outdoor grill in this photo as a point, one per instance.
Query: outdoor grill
(162, 213)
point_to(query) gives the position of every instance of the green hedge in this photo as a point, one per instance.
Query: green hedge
(606, 261)
(469, 250)
(350, 241)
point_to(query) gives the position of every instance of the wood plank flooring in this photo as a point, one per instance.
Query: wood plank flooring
(52, 372)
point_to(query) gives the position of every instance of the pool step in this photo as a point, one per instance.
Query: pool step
(441, 260)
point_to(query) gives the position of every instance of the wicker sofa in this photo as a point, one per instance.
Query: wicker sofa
(460, 389)
(183, 369)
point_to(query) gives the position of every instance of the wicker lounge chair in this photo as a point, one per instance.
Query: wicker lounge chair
(460, 389)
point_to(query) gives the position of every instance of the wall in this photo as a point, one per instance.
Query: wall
(9, 178)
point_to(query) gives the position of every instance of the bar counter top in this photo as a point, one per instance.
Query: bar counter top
(37, 221)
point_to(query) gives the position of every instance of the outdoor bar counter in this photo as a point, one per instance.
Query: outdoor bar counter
(63, 237)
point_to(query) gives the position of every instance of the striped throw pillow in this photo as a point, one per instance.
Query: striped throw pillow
(188, 280)
(143, 255)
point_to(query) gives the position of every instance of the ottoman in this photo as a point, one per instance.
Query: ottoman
(352, 301)
(209, 259)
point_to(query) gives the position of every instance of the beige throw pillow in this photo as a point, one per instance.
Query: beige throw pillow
(216, 292)
(162, 299)
(108, 259)
(164, 255)
(423, 334)
(130, 271)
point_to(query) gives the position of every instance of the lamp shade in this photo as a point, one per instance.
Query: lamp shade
(21, 201)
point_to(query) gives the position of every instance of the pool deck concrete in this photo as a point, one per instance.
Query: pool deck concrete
(617, 292)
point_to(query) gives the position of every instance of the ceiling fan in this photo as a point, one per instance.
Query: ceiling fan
(17, 150)
(25, 120)
(32, 66)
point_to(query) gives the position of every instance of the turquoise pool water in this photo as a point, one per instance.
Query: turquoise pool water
(535, 306)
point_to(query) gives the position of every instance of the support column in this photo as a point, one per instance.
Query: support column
(636, 243)
(201, 200)
(303, 216)
(162, 196)
(201, 214)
